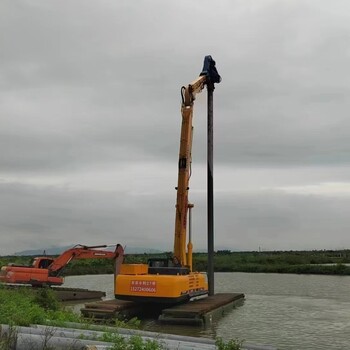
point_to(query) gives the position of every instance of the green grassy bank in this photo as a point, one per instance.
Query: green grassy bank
(26, 306)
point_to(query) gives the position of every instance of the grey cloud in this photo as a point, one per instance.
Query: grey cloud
(276, 221)
(39, 217)
(286, 66)
(86, 85)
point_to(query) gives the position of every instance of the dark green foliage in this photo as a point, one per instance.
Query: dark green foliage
(23, 307)
(46, 299)
(299, 262)
(89, 267)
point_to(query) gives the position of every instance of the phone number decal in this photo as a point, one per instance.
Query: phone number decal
(143, 286)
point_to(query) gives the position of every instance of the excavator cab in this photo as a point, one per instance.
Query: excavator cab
(42, 262)
(166, 267)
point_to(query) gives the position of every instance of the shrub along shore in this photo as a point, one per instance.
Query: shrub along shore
(325, 262)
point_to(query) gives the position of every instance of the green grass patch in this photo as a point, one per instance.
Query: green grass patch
(25, 306)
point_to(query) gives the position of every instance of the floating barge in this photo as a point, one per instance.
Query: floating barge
(70, 294)
(201, 311)
(196, 313)
(110, 310)
(65, 294)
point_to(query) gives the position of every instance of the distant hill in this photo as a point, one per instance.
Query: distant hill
(55, 250)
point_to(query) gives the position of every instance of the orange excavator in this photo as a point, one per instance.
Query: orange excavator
(47, 270)
(173, 280)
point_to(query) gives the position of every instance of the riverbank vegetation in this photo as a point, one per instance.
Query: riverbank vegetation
(25, 306)
(328, 262)
(298, 262)
(30, 306)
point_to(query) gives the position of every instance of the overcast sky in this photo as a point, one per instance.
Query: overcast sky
(90, 122)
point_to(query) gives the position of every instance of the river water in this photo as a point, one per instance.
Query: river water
(305, 312)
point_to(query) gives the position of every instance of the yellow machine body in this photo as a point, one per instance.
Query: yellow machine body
(165, 288)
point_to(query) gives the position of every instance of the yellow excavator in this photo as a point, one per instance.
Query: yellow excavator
(173, 280)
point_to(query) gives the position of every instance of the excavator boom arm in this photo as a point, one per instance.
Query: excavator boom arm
(82, 252)
(209, 75)
(46, 270)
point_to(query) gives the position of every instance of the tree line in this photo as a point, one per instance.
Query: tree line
(331, 262)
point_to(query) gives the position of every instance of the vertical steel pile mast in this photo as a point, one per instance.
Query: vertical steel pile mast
(172, 280)
(208, 77)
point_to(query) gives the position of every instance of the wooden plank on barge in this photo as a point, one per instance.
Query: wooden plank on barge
(200, 311)
(110, 309)
(69, 294)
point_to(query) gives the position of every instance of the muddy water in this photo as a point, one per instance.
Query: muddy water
(288, 311)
